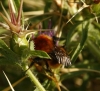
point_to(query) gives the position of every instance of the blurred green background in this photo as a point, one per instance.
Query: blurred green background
(80, 36)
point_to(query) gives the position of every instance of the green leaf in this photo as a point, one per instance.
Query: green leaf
(16, 5)
(71, 33)
(6, 55)
(26, 53)
(40, 54)
(36, 53)
(82, 42)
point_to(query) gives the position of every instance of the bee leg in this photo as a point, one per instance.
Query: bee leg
(32, 63)
(36, 60)
(48, 69)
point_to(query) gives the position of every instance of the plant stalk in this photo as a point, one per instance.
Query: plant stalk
(34, 80)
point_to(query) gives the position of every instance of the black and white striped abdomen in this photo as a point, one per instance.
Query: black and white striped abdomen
(59, 55)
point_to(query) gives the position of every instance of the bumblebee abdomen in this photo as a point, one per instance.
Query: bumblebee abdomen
(60, 56)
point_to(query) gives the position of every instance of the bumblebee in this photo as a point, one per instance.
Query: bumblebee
(57, 53)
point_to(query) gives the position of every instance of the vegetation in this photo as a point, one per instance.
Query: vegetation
(77, 24)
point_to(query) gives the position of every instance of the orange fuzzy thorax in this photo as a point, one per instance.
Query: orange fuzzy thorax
(44, 42)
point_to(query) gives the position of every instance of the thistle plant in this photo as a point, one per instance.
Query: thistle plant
(18, 52)
(75, 23)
